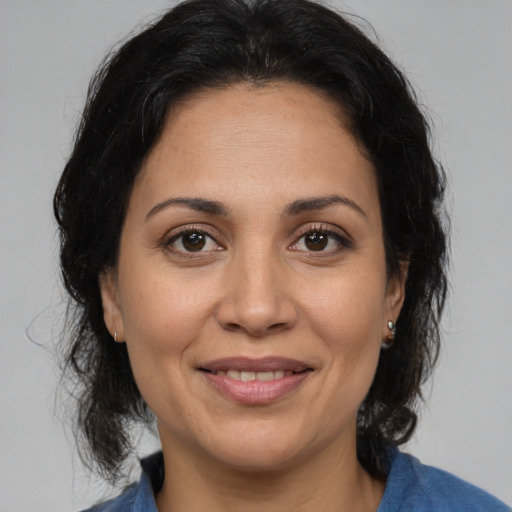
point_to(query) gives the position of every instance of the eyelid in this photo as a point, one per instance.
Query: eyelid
(175, 233)
(324, 227)
(340, 234)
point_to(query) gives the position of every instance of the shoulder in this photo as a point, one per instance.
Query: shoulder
(139, 497)
(123, 502)
(415, 486)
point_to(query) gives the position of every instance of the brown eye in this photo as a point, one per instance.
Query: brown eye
(316, 241)
(193, 242)
(323, 241)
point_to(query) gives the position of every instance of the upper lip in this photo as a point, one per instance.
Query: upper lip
(246, 364)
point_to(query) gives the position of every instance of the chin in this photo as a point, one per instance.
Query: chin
(256, 459)
(259, 448)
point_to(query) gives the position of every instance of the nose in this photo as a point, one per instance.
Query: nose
(257, 300)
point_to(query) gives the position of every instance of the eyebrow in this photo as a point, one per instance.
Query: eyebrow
(194, 203)
(295, 208)
(318, 203)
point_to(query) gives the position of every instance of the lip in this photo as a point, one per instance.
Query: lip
(255, 392)
(248, 364)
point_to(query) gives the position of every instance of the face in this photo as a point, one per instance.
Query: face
(251, 286)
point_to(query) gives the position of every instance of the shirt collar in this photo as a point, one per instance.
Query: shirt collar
(150, 483)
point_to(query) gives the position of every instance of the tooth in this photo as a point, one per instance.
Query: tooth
(246, 376)
(264, 376)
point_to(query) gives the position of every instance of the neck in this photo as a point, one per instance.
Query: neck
(333, 481)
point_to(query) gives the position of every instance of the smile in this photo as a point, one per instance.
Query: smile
(250, 376)
(260, 381)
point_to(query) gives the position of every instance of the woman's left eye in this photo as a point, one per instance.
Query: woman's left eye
(317, 240)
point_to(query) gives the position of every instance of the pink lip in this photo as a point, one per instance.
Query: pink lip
(255, 392)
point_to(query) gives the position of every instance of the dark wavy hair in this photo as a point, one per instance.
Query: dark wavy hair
(212, 44)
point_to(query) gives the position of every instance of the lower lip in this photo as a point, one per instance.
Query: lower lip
(255, 391)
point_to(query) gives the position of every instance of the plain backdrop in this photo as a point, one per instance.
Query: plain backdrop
(458, 55)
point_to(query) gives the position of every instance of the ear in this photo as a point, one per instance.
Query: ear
(395, 295)
(112, 314)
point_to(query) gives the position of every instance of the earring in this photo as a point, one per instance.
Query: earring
(390, 340)
(115, 336)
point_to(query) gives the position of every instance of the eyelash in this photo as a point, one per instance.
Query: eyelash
(341, 239)
(190, 230)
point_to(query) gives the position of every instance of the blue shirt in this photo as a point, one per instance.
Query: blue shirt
(411, 486)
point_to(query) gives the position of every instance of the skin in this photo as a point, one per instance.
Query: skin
(255, 289)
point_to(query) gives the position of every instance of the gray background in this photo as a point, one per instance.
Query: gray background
(457, 52)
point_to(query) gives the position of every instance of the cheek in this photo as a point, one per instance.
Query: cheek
(347, 310)
(347, 317)
(163, 313)
(163, 317)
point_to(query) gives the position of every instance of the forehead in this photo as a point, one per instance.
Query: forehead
(278, 140)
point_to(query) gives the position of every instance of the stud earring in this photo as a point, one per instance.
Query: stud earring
(390, 340)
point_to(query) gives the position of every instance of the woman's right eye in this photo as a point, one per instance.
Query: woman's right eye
(192, 241)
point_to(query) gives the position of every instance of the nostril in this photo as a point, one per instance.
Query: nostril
(254, 317)
(234, 327)
(277, 327)
(231, 326)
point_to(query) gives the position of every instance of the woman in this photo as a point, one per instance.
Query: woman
(251, 228)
